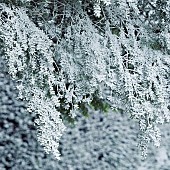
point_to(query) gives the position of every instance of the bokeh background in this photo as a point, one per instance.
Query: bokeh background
(100, 142)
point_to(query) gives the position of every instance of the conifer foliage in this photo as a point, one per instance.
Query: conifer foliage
(71, 55)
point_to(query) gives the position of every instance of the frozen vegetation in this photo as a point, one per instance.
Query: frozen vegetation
(71, 57)
(100, 142)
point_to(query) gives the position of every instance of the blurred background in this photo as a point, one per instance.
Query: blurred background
(100, 142)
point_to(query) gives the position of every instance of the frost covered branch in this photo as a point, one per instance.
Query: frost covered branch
(69, 56)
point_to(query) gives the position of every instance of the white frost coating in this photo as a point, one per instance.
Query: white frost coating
(97, 8)
(123, 52)
(21, 36)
